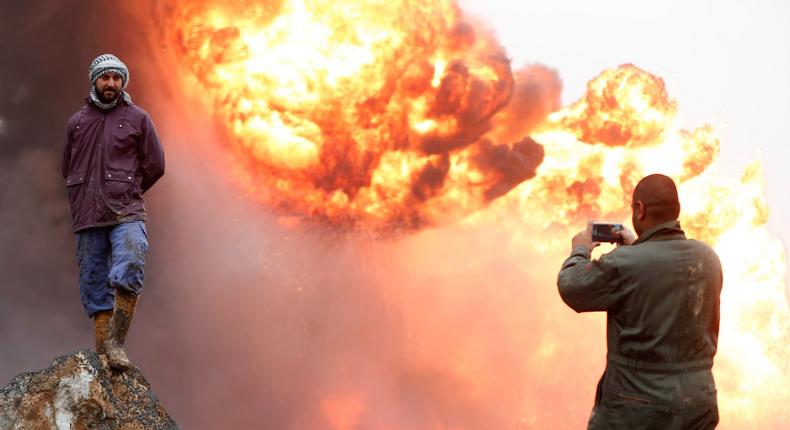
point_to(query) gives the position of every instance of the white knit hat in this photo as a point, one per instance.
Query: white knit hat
(108, 63)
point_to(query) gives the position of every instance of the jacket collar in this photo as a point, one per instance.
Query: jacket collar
(666, 231)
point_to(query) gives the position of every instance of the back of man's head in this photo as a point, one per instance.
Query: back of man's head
(660, 196)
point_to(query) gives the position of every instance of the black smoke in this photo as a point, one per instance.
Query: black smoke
(45, 49)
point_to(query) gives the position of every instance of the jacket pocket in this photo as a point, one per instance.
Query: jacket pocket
(75, 179)
(118, 185)
(637, 411)
(74, 189)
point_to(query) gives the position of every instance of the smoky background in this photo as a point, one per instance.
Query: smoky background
(245, 323)
(42, 81)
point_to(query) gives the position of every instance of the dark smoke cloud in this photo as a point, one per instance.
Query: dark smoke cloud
(245, 323)
(536, 95)
(463, 96)
(431, 179)
(513, 165)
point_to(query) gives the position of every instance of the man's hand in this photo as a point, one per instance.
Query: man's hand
(627, 235)
(584, 238)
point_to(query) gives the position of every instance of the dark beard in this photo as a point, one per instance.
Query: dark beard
(100, 96)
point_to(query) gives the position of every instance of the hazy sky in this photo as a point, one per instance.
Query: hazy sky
(727, 63)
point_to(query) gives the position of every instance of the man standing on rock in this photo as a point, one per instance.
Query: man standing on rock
(112, 156)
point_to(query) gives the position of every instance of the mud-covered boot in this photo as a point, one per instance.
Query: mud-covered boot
(119, 325)
(101, 329)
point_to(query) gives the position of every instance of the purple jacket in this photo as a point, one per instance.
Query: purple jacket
(109, 160)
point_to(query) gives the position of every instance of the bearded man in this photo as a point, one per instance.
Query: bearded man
(111, 157)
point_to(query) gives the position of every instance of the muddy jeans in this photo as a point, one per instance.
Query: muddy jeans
(110, 257)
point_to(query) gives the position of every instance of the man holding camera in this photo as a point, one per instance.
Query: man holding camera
(661, 295)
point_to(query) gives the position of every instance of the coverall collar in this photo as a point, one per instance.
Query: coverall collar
(667, 230)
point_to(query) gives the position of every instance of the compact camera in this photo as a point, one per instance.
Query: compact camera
(604, 232)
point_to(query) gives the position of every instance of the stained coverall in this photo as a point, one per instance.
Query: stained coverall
(661, 295)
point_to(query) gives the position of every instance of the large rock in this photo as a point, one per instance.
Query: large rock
(81, 392)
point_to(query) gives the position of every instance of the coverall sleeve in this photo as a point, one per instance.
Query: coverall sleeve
(586, 285)
(151, 155)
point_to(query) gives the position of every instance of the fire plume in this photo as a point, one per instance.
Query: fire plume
(372, 115)
(623, 106)
(592, 179)
(383, 116)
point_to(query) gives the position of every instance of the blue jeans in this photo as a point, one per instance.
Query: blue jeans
(110, 257)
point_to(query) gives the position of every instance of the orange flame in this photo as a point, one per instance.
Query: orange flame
(623, 106)
(370, 116)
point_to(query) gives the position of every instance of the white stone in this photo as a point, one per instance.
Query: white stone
(69, 393)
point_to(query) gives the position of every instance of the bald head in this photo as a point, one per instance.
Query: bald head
(659, 201)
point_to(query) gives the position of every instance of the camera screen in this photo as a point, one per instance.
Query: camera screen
(602, 232)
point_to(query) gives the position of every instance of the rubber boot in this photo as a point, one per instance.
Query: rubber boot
(101, 329)
(123, 313)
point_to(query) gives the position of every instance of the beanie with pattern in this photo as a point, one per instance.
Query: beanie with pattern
(108, 63)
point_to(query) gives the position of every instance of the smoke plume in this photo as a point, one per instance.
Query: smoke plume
(41, 82)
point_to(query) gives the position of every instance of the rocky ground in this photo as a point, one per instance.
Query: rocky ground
(79, 391)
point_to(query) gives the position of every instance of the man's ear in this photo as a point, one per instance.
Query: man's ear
(641, 210)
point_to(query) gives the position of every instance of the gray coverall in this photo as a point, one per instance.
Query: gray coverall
(661, 296)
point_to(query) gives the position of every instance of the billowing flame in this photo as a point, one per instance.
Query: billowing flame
(393, 115)
(623, 106)
(371, 115)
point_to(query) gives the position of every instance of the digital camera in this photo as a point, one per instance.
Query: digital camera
(603, 231)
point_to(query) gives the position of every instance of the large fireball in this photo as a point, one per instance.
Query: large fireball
(372, 115)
